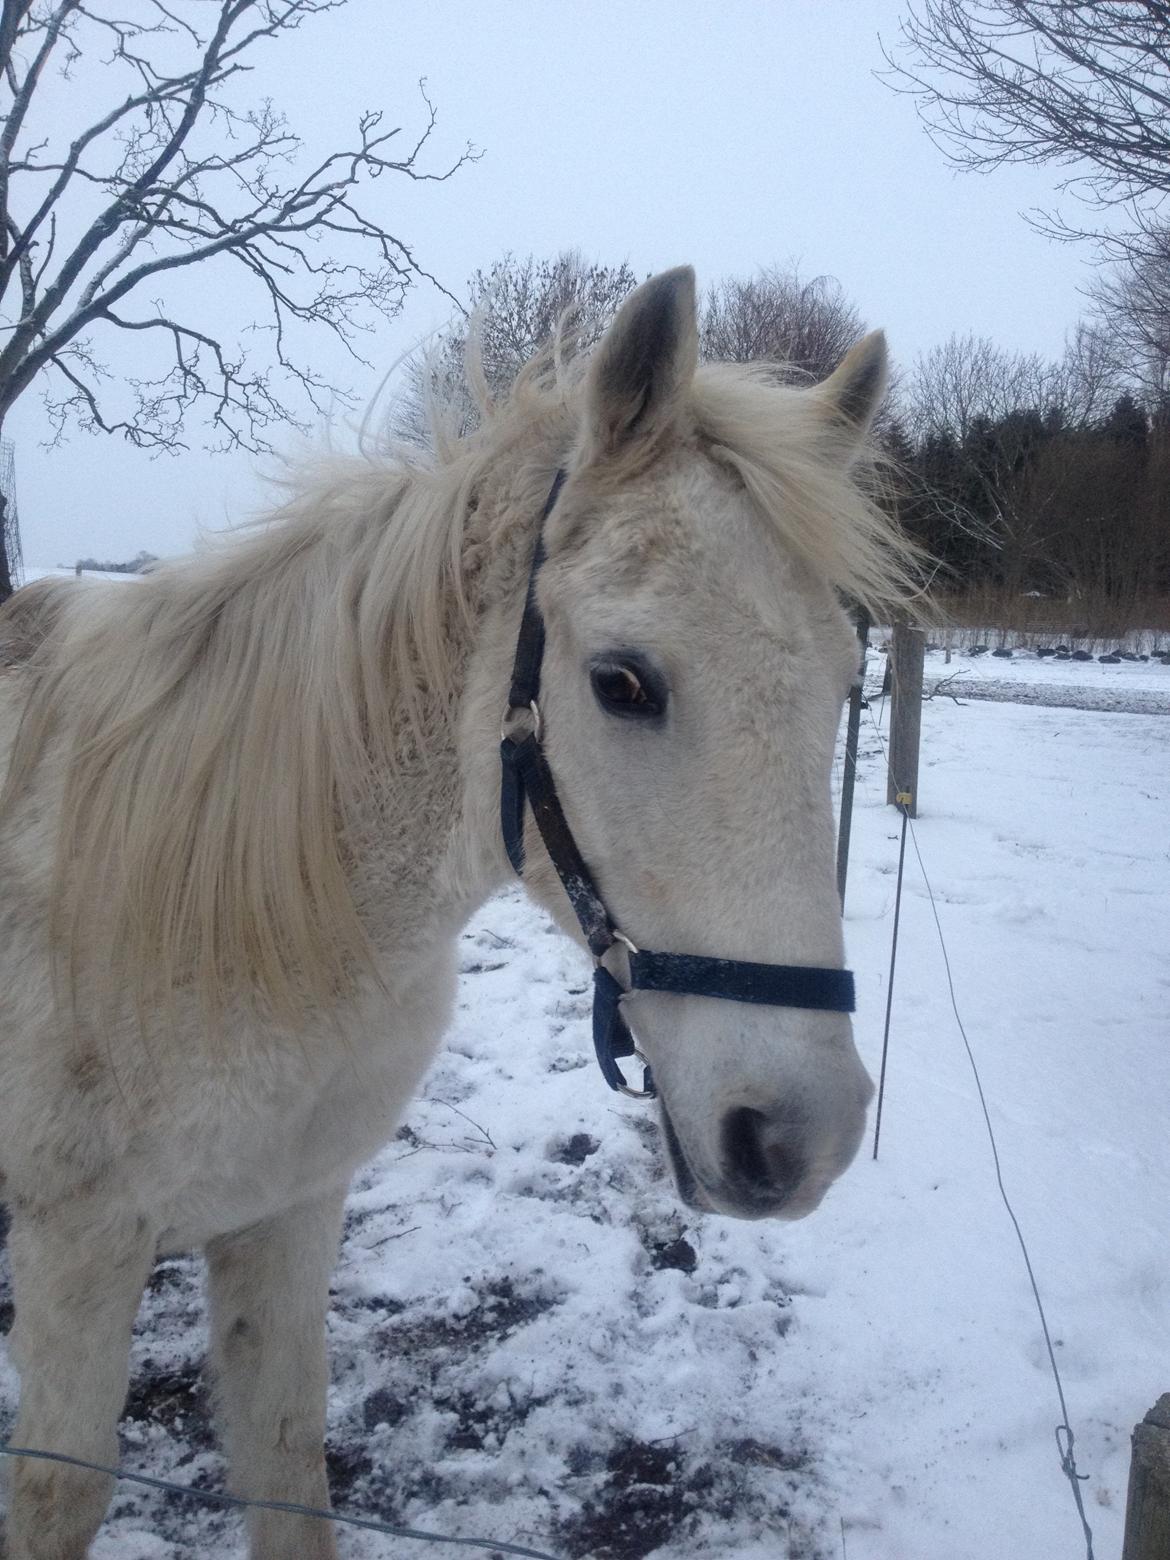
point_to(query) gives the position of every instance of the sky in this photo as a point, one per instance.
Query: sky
(666, 132)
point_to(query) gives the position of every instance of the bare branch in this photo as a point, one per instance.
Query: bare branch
(1085, 88)
(177, 172)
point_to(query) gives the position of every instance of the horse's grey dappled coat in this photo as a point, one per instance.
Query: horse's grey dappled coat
(253, 798)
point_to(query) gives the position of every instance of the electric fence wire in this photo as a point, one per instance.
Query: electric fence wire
(222, 1498)
(1065, 1439)
(881, 1094)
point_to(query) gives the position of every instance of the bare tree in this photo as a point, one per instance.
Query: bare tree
(778, 316)
(971, 406)
(1089, 377)
(1132, 300)
(514, 309)
(100, 221)
(966, 379)
(1083, 87)
(970, 379)
(523, 303)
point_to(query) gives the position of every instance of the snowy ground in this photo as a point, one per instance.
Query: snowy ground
(1133, 684)
(533, 1341)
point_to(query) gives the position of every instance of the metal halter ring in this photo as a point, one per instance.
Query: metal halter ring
(531, 708)
(616, 936)
(639, 1094)
(624, 1088)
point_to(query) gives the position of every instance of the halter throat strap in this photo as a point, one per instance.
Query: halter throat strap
(527, 781)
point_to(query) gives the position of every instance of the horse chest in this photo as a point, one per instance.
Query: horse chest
(258, 1140)
(247, 1156)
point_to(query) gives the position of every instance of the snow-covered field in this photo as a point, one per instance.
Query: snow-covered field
(1133, 684)
(533, 1341)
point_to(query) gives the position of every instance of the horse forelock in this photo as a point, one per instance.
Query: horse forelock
(755, 421)
(776, 438)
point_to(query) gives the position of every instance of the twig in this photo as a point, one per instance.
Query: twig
(397, 1235)
(483, 1131)
(943, 688)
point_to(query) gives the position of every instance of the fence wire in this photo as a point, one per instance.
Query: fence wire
(222, 1498)
(1065, 1439)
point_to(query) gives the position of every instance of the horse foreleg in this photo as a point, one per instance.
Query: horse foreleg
(269, 1289)
(78, 1272)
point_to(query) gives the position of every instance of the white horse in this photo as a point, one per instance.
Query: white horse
(252, 800)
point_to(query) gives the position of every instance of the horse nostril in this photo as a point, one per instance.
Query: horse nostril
(757, 1160)
(742, 1149)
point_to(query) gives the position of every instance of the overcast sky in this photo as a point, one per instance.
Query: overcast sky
(662, 131)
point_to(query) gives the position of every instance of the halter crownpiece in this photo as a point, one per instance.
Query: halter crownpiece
(527, 780)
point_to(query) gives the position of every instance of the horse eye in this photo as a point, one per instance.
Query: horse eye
(627, 690)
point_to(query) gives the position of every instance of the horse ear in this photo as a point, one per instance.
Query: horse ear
(644, 365)
(853, 392)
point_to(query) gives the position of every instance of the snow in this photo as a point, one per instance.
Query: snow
(534, 1341)
(1136, 685)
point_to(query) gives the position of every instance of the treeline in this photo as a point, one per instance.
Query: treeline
(1029, 480)
(1025, 480)
(1028, 506)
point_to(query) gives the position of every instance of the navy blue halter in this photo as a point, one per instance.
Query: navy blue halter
(527, 779)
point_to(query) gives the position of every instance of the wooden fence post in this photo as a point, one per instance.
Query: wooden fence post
(907, 654)
(1147, 1508)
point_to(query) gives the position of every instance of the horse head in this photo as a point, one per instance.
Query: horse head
(695, 663)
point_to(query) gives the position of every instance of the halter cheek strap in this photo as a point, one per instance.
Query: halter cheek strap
(527, 780)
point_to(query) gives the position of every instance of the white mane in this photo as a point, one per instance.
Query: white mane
(222, 719)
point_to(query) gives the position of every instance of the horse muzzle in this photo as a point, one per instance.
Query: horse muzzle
(771, 1164)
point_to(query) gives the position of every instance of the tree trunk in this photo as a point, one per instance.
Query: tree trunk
(5, 570)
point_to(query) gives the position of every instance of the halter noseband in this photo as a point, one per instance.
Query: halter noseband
(528, 778)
